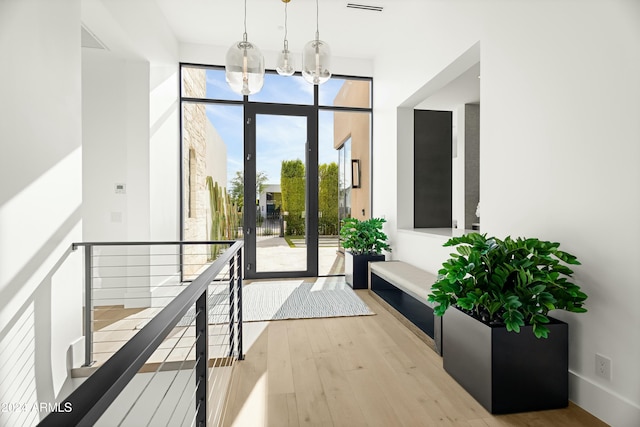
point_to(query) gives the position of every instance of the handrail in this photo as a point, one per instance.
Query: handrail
(95, 395)
(75, 246)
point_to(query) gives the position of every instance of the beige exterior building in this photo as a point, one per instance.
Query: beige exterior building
(357, 126)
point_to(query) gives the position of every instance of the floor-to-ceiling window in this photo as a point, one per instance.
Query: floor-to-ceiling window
(270, 168)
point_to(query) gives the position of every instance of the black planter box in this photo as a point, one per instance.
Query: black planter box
(507, 372)
(356, 269)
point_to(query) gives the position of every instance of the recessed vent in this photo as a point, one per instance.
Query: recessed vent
(87, 39)
(364, 7)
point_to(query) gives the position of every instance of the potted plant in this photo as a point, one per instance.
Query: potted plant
(363, 241)
(499, 342)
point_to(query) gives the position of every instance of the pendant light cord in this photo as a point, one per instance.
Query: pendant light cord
(285, 26)
(245, 21)
(317, 21)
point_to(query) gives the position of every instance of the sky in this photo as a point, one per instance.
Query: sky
(277, 137)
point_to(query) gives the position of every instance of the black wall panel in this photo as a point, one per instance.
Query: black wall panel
(432, 168)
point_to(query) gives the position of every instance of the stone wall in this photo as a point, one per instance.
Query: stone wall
(195, 194)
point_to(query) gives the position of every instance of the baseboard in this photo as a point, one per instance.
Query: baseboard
(605, 404)
(75, 354)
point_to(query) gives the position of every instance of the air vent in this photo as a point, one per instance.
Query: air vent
(364, 7)
(87, 39)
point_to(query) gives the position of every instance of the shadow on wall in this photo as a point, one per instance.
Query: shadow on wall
(26, 369)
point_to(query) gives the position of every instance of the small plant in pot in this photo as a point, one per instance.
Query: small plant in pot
(364, 241)
(499, 288)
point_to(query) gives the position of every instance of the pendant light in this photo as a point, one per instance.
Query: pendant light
(244, 65)
(285, 65)
(316, 58)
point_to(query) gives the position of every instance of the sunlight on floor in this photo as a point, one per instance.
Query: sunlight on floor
(254, 410)
(250, 333)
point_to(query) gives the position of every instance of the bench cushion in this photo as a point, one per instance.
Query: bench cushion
(412, 280)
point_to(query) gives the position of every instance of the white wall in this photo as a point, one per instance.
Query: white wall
(115, 133)
(137, 34)
(559, 154)
(164, 169)
(164, 152)
(114, 119)
(131, 118)
(40, 200)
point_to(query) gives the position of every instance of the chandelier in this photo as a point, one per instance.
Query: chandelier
(244, 63)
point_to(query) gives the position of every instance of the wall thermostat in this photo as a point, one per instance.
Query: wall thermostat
(121, 188)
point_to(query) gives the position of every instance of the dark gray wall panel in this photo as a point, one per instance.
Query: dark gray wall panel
(432, 168)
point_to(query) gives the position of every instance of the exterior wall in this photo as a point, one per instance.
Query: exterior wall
(194, 133)
(40, 202)
(358, 127)
(216, 161)
(209, 159)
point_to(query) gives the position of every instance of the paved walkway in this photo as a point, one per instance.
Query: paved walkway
(275, 254)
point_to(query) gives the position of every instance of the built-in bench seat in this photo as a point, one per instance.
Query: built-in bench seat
(403, 288)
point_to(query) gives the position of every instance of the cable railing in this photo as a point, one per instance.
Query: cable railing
(163, 326)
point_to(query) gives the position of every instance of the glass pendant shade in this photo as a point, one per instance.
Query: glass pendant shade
(244, 68)
(316, 61)
(286, 63)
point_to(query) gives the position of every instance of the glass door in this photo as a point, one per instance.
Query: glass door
(281, 192)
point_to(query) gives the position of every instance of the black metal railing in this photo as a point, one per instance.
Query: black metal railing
(87, 404)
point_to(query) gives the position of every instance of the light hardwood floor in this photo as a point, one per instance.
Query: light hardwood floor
(358, 371)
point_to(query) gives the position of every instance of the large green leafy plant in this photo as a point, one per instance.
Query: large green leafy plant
(511, 282)
(364, 237)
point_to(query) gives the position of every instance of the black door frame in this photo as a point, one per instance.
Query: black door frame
(311, 199)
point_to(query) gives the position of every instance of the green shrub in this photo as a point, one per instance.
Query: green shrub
(364, 237)
(511, 282)
(292, 186)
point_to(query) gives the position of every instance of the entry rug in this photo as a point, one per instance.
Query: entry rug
(291, 299)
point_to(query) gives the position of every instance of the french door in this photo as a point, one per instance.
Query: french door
(280, 191)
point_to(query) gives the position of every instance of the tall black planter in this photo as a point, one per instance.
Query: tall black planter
(356, 269)
(507, 372)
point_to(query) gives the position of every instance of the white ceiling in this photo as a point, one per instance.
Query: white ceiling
(349, 32)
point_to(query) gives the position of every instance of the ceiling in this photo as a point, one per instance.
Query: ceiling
(353, 33)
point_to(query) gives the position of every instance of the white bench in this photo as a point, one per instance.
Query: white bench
(403, 289)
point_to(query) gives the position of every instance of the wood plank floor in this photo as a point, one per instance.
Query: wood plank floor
(358, 371)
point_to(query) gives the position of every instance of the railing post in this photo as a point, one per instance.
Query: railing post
(239, 302)
(232, 305)
(88, 305)
(202, 363)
